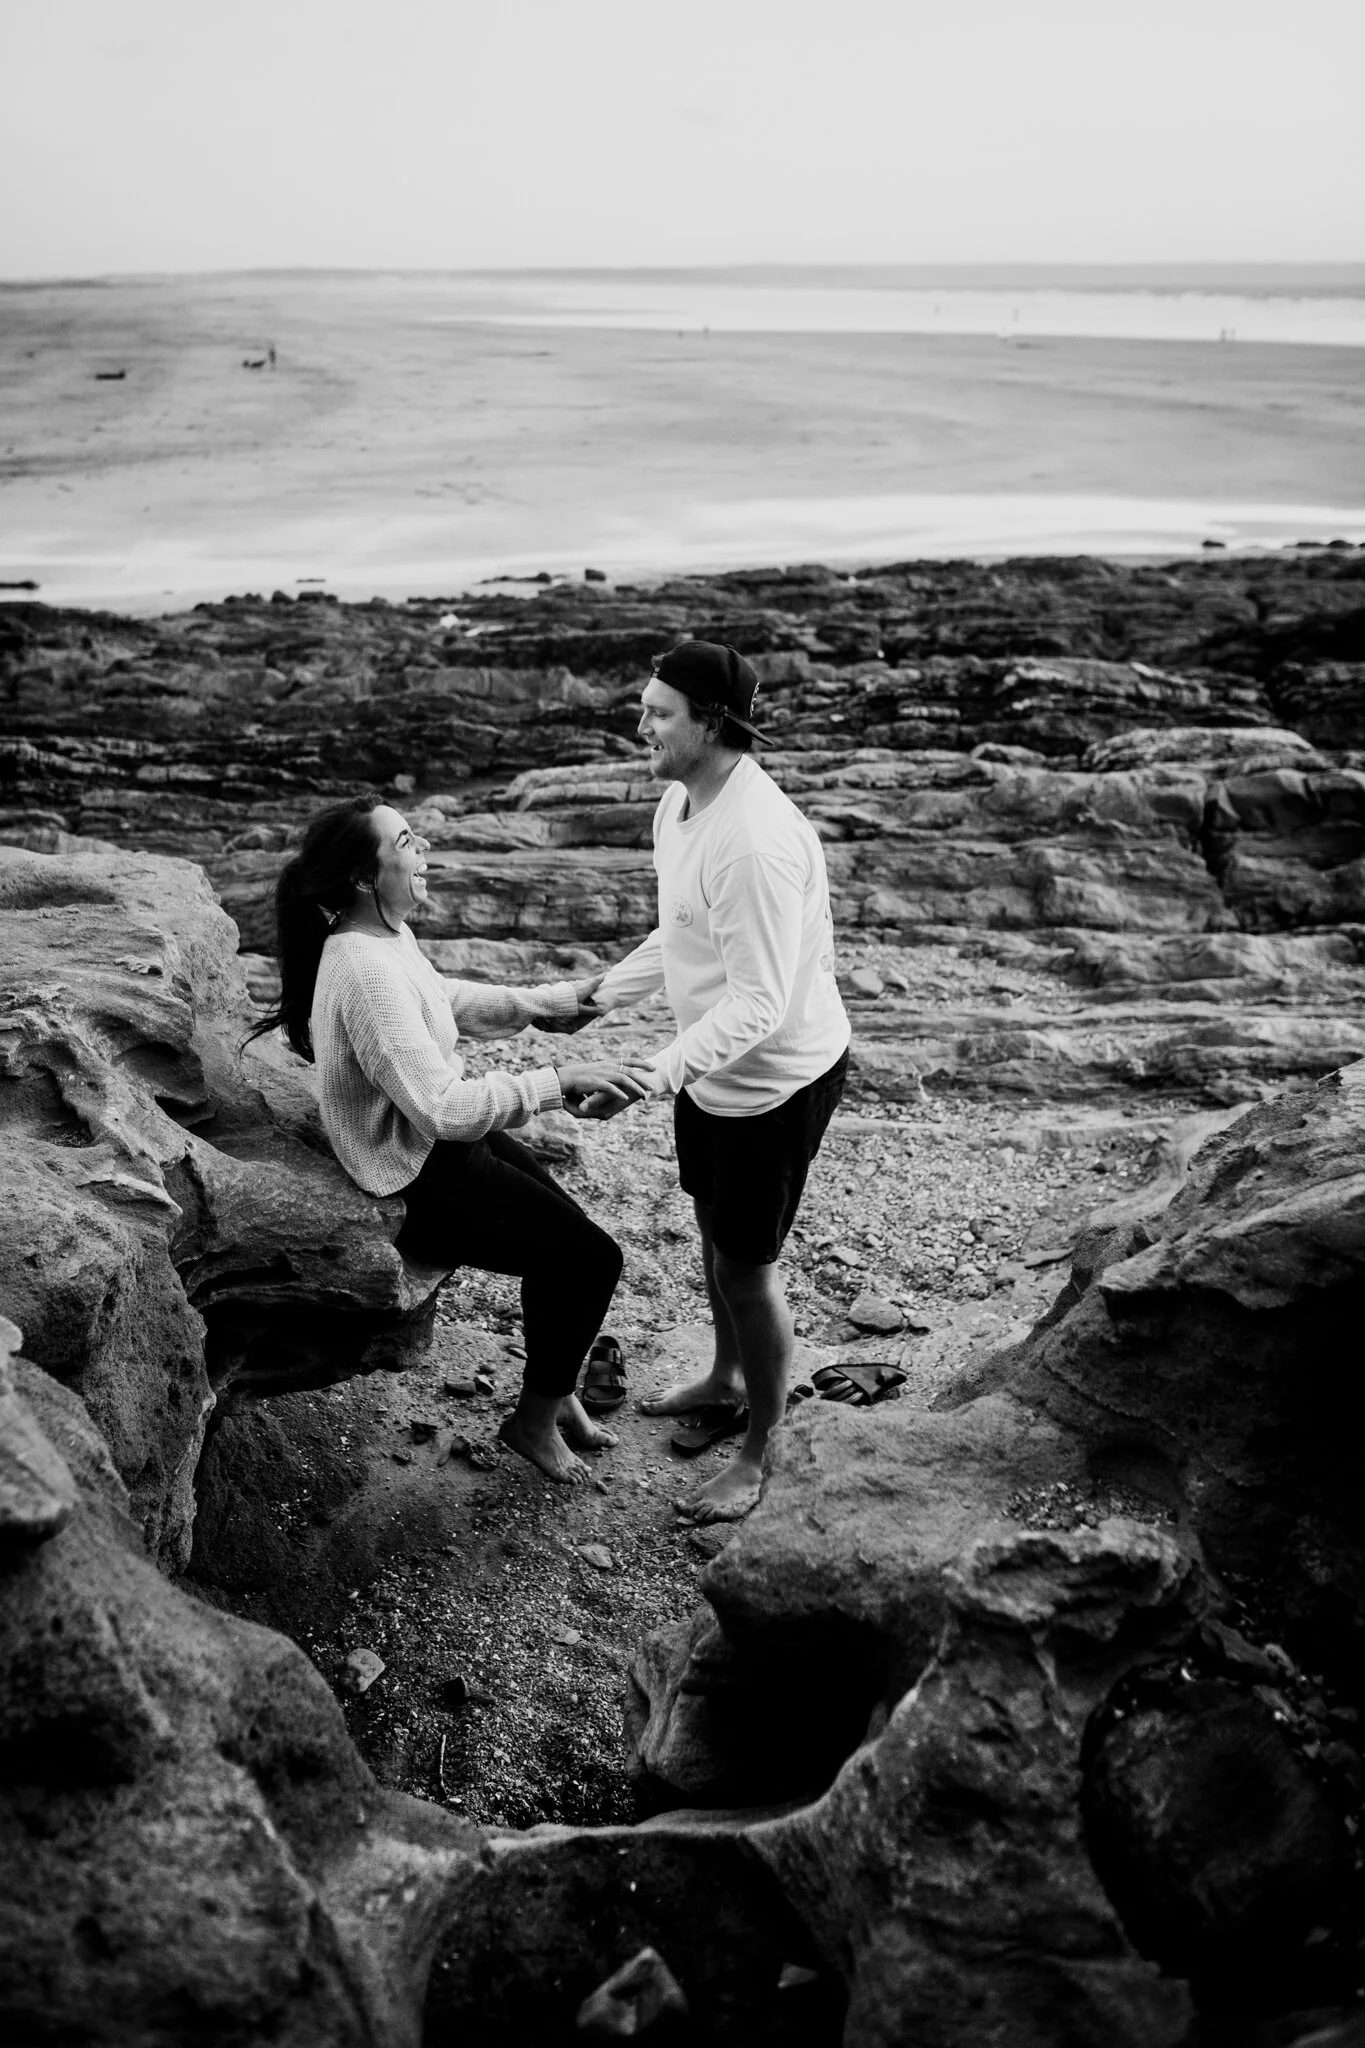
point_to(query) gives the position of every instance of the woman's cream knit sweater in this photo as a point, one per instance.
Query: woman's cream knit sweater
(385, 1026)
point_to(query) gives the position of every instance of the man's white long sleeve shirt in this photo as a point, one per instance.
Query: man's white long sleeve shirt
(744, 948)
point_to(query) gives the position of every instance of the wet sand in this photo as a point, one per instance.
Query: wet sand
(392, 450)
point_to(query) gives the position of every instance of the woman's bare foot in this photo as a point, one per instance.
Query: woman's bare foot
(729, 1496)
(716, 1390)
(577, 1427)
(545, 1449)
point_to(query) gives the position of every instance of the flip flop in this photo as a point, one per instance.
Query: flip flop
(604, 1380)
(699, 1428)
(859, 1386)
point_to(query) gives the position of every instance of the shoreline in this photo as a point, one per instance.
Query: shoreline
(462, 581)
(154, 457)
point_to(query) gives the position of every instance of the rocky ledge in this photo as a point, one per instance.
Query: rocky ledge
(1025, 1707)
(1137, 791)
(172, 1223)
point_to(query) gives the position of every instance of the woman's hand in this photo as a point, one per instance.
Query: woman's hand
(584, 991)
(598, 1088)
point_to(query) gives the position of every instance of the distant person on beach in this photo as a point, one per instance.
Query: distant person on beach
(359, 997)
(745, 949)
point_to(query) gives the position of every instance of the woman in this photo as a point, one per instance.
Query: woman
(359, 997)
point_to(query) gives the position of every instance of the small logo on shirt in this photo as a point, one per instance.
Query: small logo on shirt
(680, 911)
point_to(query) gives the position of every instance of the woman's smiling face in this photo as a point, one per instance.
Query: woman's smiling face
(400, 864)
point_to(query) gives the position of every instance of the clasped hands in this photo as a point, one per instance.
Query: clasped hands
(602, 1088)
(595, 1088)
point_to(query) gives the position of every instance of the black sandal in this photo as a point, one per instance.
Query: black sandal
(859, 1386)
(604, 1379)
(699, 1428)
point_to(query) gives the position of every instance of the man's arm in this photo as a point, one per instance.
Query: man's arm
(640, 974)
(755, 920)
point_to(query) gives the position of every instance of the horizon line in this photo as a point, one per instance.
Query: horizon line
(1151, 270)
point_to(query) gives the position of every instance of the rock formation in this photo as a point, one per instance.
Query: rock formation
(171, 1222)
(1030, 1714)
(991, 1583)
(1118, 773)
(192, 1848)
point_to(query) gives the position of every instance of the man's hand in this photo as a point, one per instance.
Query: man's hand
(588, 1011)
(598, 1088)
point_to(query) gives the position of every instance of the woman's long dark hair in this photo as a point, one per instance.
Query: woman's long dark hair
(340, 849)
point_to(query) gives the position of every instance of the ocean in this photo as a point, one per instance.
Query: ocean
(166, 439)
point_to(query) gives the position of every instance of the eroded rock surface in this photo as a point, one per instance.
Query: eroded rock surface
(1048, 754)
(958, 1647)
(190, 1847)
(170, 1219)
(983, 1580)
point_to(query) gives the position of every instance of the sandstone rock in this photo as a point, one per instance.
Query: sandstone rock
(873, 1312)
(861, 1513)
(1213, 1837)
(999, 1929)
(1245, 1290)
(169, 1220)
(363, 1667)
(1243, 747)
(639, 1998)
(1193, 1364)
(189, 1840)
(549, 1916)
(1302, 964)
(1205, 1049)
(945, 1650)
(37, 1492)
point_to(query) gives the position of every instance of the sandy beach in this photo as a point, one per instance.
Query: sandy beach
(393, 448)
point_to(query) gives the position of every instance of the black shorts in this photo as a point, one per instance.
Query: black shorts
(750, 1170)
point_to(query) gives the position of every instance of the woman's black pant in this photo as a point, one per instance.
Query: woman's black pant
(492, 1204)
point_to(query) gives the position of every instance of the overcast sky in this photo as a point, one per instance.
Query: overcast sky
(190, 135)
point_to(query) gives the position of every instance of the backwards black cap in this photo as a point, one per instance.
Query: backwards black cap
(716, 678)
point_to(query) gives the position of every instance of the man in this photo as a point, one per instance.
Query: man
(745, 949)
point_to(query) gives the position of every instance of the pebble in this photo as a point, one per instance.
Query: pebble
(875, 1312)
(361, 1669)
(633, 2000)
(597, 1555)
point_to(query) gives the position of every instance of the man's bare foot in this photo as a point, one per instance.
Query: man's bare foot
(728, 1497)
(549, 1452)
(714, 1391)
(577, 1427)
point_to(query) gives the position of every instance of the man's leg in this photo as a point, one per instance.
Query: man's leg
(755, 1304)
(724, 1385)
